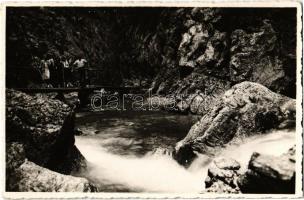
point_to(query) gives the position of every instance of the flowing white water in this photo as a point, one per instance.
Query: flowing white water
(274, 143)
(160, 173)
(155, 173)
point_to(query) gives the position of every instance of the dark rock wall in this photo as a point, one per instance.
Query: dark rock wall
(174, 50)
(111, 39)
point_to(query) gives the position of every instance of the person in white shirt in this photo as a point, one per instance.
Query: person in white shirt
(80, 65)
(45, 71)
(46, 66)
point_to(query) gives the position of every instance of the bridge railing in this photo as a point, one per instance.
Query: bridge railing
(22, 74)
(16, 77)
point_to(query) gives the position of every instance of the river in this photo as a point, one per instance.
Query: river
(118, 147)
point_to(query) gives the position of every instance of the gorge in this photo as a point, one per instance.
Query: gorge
(230, 71)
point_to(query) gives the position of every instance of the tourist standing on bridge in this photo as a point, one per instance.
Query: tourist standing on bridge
(50, 63)
(45, 73)
(80, 65)
(66, 71)
(46, 67)
(58, 71)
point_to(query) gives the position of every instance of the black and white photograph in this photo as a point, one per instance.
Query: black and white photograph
(155, 99)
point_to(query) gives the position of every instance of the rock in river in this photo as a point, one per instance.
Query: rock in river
(246, 109)
(265, 174)
(222, 176)
(269, 174)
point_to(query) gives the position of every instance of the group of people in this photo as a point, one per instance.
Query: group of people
(62, 72)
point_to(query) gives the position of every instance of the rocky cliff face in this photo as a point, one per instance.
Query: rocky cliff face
(41, 130)
(179, 50)
(219, 49)
(220, 44)
(210, 50)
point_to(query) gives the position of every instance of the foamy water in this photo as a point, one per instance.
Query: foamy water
(160, 173)
(274, 143)
(154, 173)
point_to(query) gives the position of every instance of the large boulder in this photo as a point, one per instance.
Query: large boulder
(45, 127)
(246, 109)
(269, 174)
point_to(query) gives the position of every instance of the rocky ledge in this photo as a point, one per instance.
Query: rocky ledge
(246, 109)
(265, 174)
(40, 143)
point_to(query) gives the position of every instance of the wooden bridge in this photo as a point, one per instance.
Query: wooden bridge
(84, 92)
(134, 90)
